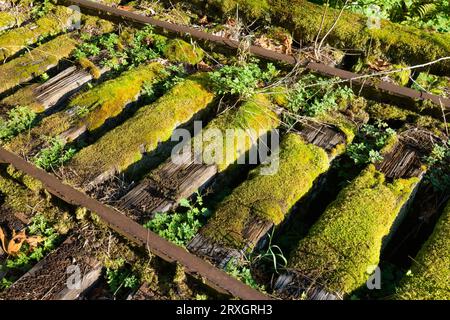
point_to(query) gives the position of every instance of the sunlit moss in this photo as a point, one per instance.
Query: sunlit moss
(17, 39)
(151, 125)
(345, 243)
(252, 119)
(429, 278)
(177, 50)
(398, 42)
(268, 197)
(90, 109)
(35, 62)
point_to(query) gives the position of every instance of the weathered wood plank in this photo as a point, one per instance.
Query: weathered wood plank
(42, 97)
(256, 229)
(49, 278)
(171, 182)
(402, 161)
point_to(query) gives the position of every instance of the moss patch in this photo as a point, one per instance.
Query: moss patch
(268, 197)
(7, 20)
(91, 108)
(36, 62)
(430, 278)
(15, 40)
(25, 179)
(126, 144)
(109, 99)
(23, 97)
(28, 142)
(388, 112)
(252, 119)
(178, 50)
(303, 18)
(348, 237)
(23, 200)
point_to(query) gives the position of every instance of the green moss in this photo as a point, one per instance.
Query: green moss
(24, 97)
(347, 239)
(126, 144)
(268, 197)
(21, 199)
(430, 272)
(17, 39)
(279, 96)
(7, 20)
(401, 44)
(88, 65)
(178, 50)
(25, 179)
(252, 119)
(89, 109)
(28, 142)
(110, 98)
(388, 112)
(35, 62)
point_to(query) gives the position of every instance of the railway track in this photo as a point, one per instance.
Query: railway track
(101, 124)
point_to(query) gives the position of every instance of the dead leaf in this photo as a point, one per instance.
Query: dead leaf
(379, 65)
(2, 239)
(16, 242)
(34, 241)
(203, 20)
(126, 8)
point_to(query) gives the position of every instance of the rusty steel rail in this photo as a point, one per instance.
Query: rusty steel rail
(379, 90)
(136, 233)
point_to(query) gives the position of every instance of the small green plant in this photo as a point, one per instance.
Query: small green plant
(41, 8)
(5, 283)
(55, 155)
(313, 95)
(242, 80)
(15, 265)
(429, 14)
(180, 228)
(19, 119)
(272, 254)
(82, 111)
(438, 161)
(242, 272)
(119, 279)
(44, 77)
(118, 54)
(373, 138)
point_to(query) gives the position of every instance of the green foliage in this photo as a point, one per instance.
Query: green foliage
(242, 272)
(273, 254)
(373, 138)
(118, 53)
(242, 80)
(19, 119)
(119, 279)
(26, 258)
(431, 83)
(439, 162)
(313, 95)
(419, 13)
(180, 228)
(55, 155)
(41, 8)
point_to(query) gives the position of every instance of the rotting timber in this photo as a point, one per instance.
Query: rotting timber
(327, 263)
(244, 218)
(171, 182)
